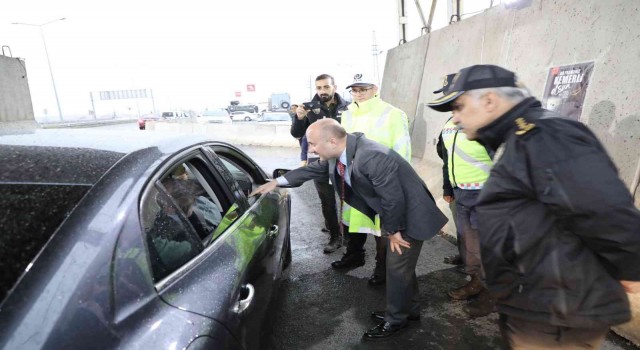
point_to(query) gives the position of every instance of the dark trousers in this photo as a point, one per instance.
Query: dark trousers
(403, 296)
(467, 227)
(519, 333)
(356, 245)
(328, 204)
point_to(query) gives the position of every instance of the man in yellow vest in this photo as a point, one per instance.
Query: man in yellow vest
(466, 168)
(387, 125)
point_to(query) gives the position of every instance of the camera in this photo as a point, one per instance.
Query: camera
(311, 105)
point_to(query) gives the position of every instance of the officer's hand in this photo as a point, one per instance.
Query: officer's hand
(396, 241)
(301, 112)
(266, 188)
(631, 287)
(448, 199)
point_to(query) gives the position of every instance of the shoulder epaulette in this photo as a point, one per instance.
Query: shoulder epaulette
(523, 126)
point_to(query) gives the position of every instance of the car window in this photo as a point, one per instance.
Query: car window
(246, 182)
(31, 213)
(171, 241)
(186, 210)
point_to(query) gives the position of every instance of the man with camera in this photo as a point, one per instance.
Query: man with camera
(325, 104)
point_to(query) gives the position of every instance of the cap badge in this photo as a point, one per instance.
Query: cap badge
(444, 81)
(357, 78)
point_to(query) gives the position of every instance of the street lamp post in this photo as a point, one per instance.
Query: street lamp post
(46, 52)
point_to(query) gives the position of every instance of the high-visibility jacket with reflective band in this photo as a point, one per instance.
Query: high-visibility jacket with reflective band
(385, 124)
(468, 162)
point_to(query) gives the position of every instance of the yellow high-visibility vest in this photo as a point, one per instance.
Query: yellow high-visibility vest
(385, 124)
(468, 162)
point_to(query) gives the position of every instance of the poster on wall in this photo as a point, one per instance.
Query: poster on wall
(566, 89)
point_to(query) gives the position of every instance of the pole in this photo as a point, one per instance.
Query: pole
(374, 51)
(402, 21)
(46, 52)
(55, 91)
(153, 101)
(93, 105)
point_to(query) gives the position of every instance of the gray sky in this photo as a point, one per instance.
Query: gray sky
(196, 54)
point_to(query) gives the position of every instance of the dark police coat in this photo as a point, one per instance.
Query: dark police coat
(557, 226)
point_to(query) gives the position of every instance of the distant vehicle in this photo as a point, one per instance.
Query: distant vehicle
(112, 240)
(242, 115)
(235, 106)
(216, 115)
(174, 114)
(279, 102)
(279, 117)
(142, 121)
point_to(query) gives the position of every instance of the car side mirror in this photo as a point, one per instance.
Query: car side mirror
(279, 172)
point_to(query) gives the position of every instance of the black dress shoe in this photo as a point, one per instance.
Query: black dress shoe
(381, 331)
(453, 260)
(379, 316)
(349, 261)
(376, 280)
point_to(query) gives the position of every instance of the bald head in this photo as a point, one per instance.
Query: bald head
(327, 138)
(328, 128)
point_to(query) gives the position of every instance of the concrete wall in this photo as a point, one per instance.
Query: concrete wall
(530, 41)
(15, 98)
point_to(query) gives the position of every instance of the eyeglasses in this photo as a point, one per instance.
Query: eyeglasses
(359, 91)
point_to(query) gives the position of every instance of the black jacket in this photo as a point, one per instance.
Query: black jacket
(557, 226)
(299, 127)
(447, 189)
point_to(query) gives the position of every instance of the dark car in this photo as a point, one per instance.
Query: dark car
(130, 242)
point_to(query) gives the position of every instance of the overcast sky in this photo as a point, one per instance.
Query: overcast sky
(197, 54)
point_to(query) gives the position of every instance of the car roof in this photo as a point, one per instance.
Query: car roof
(77, 156)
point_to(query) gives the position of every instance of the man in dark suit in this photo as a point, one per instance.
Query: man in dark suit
(375, 179)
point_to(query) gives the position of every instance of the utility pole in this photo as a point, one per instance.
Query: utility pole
(375, 53)
(46, 52)
(93, 105)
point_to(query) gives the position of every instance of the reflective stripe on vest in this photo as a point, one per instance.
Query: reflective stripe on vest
(468, 162)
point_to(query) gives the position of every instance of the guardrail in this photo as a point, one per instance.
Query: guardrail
(243, 133)
(85, 123)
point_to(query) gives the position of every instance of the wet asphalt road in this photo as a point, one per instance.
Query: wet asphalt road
(321, 308)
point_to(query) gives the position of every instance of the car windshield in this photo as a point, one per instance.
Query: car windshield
(215, 113)
(272, 117)
(31, 213)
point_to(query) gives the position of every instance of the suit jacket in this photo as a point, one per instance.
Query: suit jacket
(381, 182)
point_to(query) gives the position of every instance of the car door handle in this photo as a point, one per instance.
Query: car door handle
(273, 231)
(243, 304)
